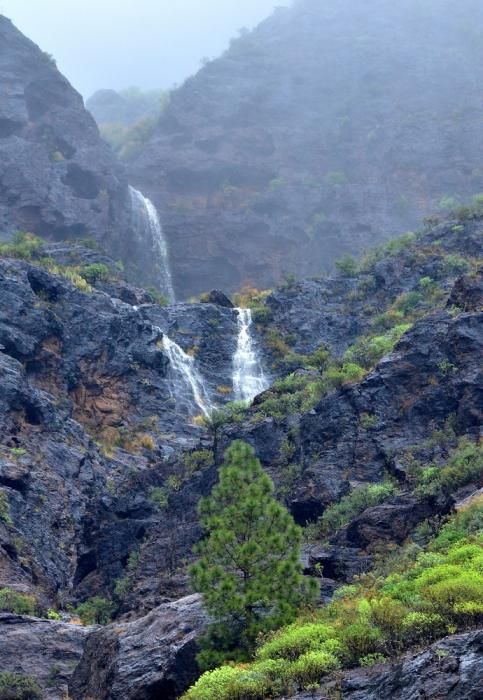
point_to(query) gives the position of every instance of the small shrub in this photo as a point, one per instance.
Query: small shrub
(294, 640)
(356, 502)
(372, 660)
(360, 639)
(53, 615)
(159, 497)
(454, 264)
(15, 686)
(420, 626)
(96, 611)
(23, 246)
(17, 603)
(312, 667)
(146, 441)
(5, 509)
(198, 460)
(159, 298)
(95, 272)
(347, 266)
(464, 467)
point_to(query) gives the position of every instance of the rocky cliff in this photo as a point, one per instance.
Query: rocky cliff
(330, 126)
(58, 178)
(103, 456)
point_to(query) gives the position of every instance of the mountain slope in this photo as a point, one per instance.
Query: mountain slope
(58, 178)
(330, 126)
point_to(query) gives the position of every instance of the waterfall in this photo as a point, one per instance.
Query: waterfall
(146, 220)
(248, 377)
(184, 366)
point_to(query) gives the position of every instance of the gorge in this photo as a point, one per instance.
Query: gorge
(297, 161)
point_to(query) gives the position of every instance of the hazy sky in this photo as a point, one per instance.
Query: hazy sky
(118, 43)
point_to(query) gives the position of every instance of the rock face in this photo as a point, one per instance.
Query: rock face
(451, 668)
(327, 128)
(58, 178)
(153, 657)
(46, 651)
(82, 375)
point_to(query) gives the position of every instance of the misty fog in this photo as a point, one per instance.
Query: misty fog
(150, 43)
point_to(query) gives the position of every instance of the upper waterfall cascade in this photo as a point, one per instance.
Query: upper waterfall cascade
(249, 379)
(184, 366)
(146, 218)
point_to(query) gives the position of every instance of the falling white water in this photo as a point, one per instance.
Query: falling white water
(184, 366)
(147, 218)
(248, 377)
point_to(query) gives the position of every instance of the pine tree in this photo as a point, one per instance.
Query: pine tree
(249, 570)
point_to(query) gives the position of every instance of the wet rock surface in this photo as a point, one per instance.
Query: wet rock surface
(280, 156)
(58, 178)
(153, 657)
(43, 650)
(451, 668)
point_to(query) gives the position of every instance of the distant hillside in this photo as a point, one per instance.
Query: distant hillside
(127, 118)
(330, 126)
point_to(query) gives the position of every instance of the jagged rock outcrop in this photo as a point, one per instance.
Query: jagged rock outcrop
(152, 657)
(328, 127)
(44, 650)
(90, 426)
(451, 668)
(58, 178)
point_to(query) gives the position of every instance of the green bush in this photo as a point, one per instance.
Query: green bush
(96, 611)
(425, 594)
(464, 467)
(420, 626)
(23, 246)
(198, 460)
(360, 639)
(347, 266)
(5, 509)
(18, 603)
(15, 686)
(356, 502)
(294, 640)
(369, 350)
(95, 273)
(312, 666)
(453, 264)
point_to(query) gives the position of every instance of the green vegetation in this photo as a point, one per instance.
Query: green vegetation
(464, 467)
(368, 350)
(356, 502)
(95, 273)
(160, 497)
(95, 611)
(18, 603)
(255, 299)
(347, 266)
(127, 140)
(23, 246)
(5, 509)
(427, 593)
(15, 686)
(249, 570)
(159, 298)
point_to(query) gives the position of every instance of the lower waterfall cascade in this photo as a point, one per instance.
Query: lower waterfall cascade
(146, 219)
(184, 366)
(249, 379)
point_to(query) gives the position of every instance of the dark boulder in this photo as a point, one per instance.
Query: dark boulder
(149, 659)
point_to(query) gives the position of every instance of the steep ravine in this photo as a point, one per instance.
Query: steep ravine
(103, 456)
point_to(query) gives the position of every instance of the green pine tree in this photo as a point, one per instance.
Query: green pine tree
(249, 570)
